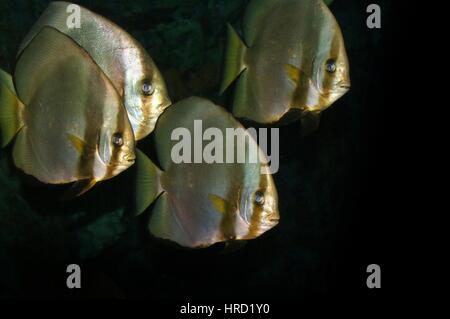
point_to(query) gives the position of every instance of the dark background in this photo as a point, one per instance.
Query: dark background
(334, 185)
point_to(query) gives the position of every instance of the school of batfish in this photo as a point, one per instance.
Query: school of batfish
(79, 99)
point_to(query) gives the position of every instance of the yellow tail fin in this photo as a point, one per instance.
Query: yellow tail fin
(147, 182)
(234, 59)
(10, 110)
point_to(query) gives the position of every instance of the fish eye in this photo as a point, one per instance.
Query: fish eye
(330, 66)
(259, 198)
(147, 88)
(117, 140)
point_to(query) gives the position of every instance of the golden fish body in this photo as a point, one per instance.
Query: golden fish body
(295, 60)
(205, 203)
(73, 125)
(126, 63)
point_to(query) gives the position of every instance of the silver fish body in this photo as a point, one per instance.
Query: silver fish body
(294, 61)
(205, 203)
(73, 124)
(123, 59)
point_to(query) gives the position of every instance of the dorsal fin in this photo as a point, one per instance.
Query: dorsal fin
(255, 16)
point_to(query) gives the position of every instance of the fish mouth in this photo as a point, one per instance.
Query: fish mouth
(163, 106)
(129, 158)
(120, 167)
(336, 93)
(146, 121)
(344, 85)
(270, 222)
(125, 162)
(344, 88)
(166, 103)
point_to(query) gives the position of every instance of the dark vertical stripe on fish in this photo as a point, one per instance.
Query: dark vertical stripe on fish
(93, 117)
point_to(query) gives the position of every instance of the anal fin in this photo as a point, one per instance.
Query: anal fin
(233, 246)
(79, 188)
(165, 224)
(310, 123)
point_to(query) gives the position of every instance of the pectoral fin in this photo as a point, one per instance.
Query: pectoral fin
(293, 73)
(218, 202)
(79, 144)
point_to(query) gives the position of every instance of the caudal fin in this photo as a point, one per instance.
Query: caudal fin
(234, 59)
(147, 182)
(6, 79)
(10, 110)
